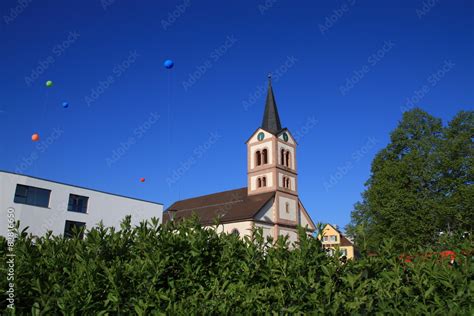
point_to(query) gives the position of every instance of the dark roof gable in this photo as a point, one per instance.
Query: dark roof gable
(228, 206)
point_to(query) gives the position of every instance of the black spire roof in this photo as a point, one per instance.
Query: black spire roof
(271, 119)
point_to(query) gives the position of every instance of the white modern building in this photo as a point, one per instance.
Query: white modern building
(45, 205)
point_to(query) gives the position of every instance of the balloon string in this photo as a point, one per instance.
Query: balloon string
(169, 121)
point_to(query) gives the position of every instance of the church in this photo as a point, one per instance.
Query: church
(270, 201)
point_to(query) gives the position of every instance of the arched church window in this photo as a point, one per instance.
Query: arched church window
(284, 181)
(265, 156)
(235, 232)
(258, 157)
(264, 181)
(287, 158)
(259, 182)
(287, 183)
(287, 208)
(282, 157)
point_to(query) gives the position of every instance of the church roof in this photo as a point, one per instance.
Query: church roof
(271, 119)
(228, 206)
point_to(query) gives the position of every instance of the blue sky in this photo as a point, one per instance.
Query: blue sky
(343, 72)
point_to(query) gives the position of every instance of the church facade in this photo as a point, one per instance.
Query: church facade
(270, 200)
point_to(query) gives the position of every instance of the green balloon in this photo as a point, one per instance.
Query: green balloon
(49, 83)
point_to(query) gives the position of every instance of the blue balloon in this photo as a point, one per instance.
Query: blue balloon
(65, 104)
(168, 64)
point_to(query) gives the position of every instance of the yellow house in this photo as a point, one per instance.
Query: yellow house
(332, 238)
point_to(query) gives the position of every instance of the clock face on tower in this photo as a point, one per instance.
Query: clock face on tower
(285, 137)
(260, 136)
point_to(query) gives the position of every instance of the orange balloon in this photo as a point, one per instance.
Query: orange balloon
(35, 137)
(142, 179)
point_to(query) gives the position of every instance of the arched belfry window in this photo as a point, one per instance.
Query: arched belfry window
(259, 182)
(265, 156)
(264, 181)
(287, 158)
(287, 183)
(287, 207)
(282, 157)
(258, 158)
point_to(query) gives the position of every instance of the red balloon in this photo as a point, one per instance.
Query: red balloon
(142, 179)
(35, 137)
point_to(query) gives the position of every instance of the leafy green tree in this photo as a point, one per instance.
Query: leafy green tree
(420, 184)
(457, 175)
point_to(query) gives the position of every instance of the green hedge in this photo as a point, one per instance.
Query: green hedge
(154, 269)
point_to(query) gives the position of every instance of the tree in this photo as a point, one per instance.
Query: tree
(457, 175)
(420, 184)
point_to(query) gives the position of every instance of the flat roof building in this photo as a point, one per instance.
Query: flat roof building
(45, 205)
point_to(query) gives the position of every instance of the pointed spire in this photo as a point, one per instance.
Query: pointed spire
(271, 119)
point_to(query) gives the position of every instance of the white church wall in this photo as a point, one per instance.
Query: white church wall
(290, 139)
(254, 148)
(292, 181)
(254, 138)
(292, 234)
(267, 230)
(266, 213)
(244, 228)
(292, 153)
(291, 215)
(304, 220)
(253, 180)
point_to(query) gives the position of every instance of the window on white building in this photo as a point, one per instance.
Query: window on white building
(258, 158)
(77, 203)
(31, 195)
(71, 226)
(265, 156)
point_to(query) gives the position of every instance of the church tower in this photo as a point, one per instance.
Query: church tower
(270, 201)
(271, 161)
